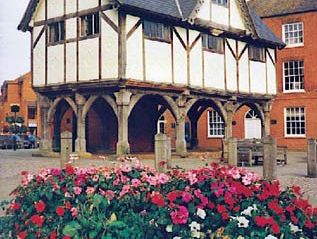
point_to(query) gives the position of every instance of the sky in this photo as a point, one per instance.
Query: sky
(14, 44)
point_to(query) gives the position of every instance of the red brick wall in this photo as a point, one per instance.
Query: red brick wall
(308, 99)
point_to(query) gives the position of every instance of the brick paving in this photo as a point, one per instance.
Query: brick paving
(12, 163)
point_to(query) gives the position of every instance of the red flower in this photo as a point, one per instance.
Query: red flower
(22, 235)
(294, 220)
(38, 220)
(158, 199)
(68, 205)
(180, 216)
(172, 196)
(69, 169)
(53, 235)
(274, 206)
(296, 190)
(309, 224)
(221, 209)
(60, 211)
(15, 206)
(275, 228)
(67, 237)
(40, 206)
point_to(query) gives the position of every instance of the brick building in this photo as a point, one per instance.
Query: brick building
(294, 112)
(19, 92)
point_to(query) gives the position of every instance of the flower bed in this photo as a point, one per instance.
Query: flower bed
(133, 201)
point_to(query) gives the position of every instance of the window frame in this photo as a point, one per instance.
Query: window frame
(167, 30)
(214, 50)
(284, 79)
(84, 21)
(286, 135)
(291, 45)
(221, 121)
(220, 3)
(252, 58)
(60, 27)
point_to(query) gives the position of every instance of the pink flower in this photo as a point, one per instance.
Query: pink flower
(192, 178)
(152, 180)
(109, 194)
(126, 168)
(187, 197)
(77, 190)
(135, 182)
(95, 178)
(234, 173)
(180, 216)
(74, 211)
(90, 190)
(125, 190)
(163, 178)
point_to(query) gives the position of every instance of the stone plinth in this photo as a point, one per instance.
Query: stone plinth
(269, 158)
(66, 147)
(162, 152)
(312, 158)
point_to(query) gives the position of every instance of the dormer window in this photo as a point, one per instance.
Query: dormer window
(157, 31)
(56, 31)
(221, 2)
(212, 43)
(90, 25)
(256, 53)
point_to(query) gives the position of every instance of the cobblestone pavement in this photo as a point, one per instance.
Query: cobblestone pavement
(12, 163)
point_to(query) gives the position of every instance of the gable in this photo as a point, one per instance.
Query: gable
(39, 13)
(230, 16)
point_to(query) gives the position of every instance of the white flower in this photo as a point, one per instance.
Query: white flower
(242, 221)
(177, 238)
(294, 228)
(270, 237)
(240, 237)
(248, 211)
(194, 226)
(169, 228)
(201, 213)
(196, 234)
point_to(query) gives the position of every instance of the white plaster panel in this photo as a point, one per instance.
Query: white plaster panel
(196, 74)
(204, 11)
(131, 21)
(244, 73)
(236, 19)
(36, 32)
(231, 70)
(109, 51)
(71, 69)
(258, 77)
(55, 64)
(86, 4)
(158, 61)
(192, 36)
(271, 76)
(180, 62)
(71, 28)
(39, 63)
(219, 14)
(71, 6)
(112, 15)
(241, 46)
(272, 53)
(214, 70)
(182, 33)
(88, 59)
(134, 55)
(39, 14)
(55, 8)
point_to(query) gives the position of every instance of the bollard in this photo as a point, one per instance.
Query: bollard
(312, 158)
(232, 152)
(66, 147)
(269, 158)
(162, 152)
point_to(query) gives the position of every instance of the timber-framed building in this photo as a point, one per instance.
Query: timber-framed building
(110, 69)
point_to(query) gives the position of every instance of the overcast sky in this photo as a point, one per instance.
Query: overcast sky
(14, 44)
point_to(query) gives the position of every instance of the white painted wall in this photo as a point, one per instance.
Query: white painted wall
(86, 4)
(196, 74)
(244, 73)
(109, 48)
(214, 70)
(39, 60)
(220, 14)
(158, 61)
(39, 14)
(71, 6)
(88, 59)
(55, 64)
(71, 69)
(271, 73)
(204, 11)
(55, 8)
(258, 77)
(71, 28)
(180, 58)
(236, 19)
(231, 67)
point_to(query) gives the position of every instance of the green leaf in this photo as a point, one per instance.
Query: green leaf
(71, 229)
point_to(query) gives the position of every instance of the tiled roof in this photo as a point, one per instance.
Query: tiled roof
(180, 10)
(268, 8)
